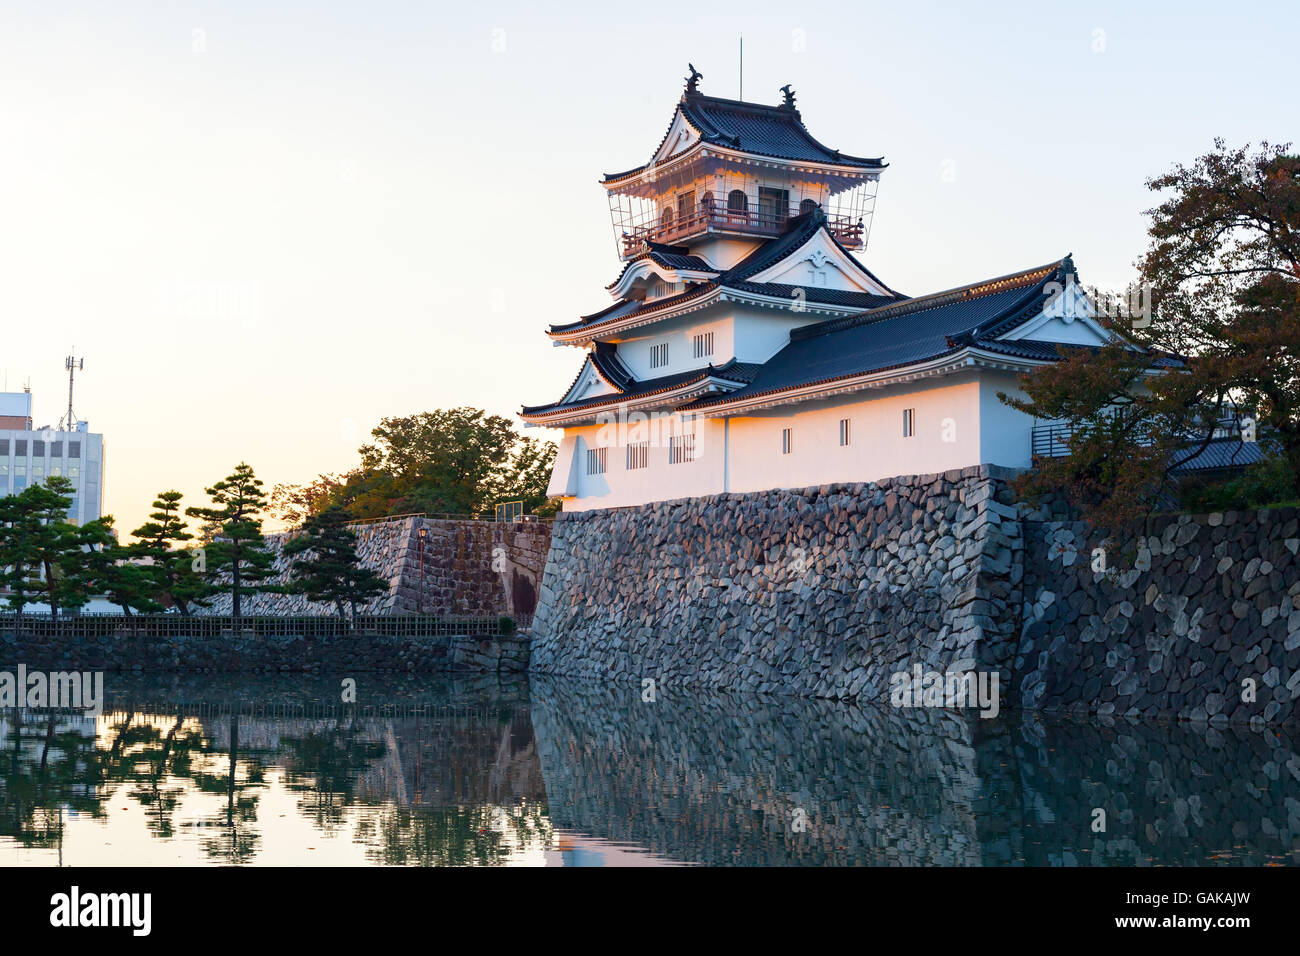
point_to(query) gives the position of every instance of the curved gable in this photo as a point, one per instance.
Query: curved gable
(651, 267)
(821, 262)
(681, 137)
(588, 384)
(1067, 317)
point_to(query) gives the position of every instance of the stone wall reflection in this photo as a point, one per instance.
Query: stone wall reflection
(1172, 793)
(715, 779)
(718, 780)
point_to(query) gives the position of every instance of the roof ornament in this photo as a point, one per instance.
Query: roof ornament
(693, 81)
(789, 97)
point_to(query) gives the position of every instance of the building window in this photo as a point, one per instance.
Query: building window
(685, 207)
(681, 448)
(844, 431)
(909, 422)
(74, 449)
(659, 355)
(785, 441)
(4, 446)
(56, 449)
(703, 344)
(20, 447)
(596, 461)
(74, 471)
(638, 454)
(38, 447)
(737, 201)
(20, 466)
(773, 204)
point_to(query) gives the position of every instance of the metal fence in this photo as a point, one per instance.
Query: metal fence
(1051, 440)
(175, 625)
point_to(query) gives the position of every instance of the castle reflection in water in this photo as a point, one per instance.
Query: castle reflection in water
(478, 772)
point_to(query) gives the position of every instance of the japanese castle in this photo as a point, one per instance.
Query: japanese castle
(747, 348)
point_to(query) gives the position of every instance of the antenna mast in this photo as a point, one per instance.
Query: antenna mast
(73, 365)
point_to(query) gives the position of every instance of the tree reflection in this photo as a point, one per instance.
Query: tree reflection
(325, 767)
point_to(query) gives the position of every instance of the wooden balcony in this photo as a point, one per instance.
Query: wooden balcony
(707, 218)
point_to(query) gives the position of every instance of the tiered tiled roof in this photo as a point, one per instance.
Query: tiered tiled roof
(776, 132)
(799, 230)
(731, 373)
(906, 333)
(670, 257)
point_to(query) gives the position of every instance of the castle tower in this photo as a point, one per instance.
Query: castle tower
(747, 347)
(728, 175)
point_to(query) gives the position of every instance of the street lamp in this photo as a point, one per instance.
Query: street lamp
(420, 534)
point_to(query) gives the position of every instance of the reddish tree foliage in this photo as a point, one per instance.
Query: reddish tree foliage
(1223, 273)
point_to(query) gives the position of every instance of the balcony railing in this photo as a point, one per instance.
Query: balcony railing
(718, 218)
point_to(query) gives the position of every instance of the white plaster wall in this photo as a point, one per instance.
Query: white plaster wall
(724, 253)
(679, 334)
(959, 422)
(761, 333)
(746, 333)
(659, 481)
(877, 448)
(1005, 432)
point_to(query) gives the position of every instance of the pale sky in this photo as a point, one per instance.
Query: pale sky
(267, 225)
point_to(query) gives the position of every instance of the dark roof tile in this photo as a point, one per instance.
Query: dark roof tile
(774, 131)
(732, 371)
(904, 333)
(799, 230)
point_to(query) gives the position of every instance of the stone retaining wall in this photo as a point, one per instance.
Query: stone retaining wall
(469, 569)
(1193, 620)
(828, 592)
(243, 653)
(823, 592)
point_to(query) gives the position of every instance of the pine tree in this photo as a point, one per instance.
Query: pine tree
(113, 570)
(59, 546)
(237, 559)
(160, 543)
(326, 566)
(18, 556)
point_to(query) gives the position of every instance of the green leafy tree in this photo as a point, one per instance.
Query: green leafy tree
(236, 559)
(160, 543)
(526, 475)
(442, 461)
(1221, 341)
(451, 461)
(325, 564)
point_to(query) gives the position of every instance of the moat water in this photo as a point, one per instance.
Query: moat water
(479, 772)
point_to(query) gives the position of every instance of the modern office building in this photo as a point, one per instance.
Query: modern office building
(30, 455)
